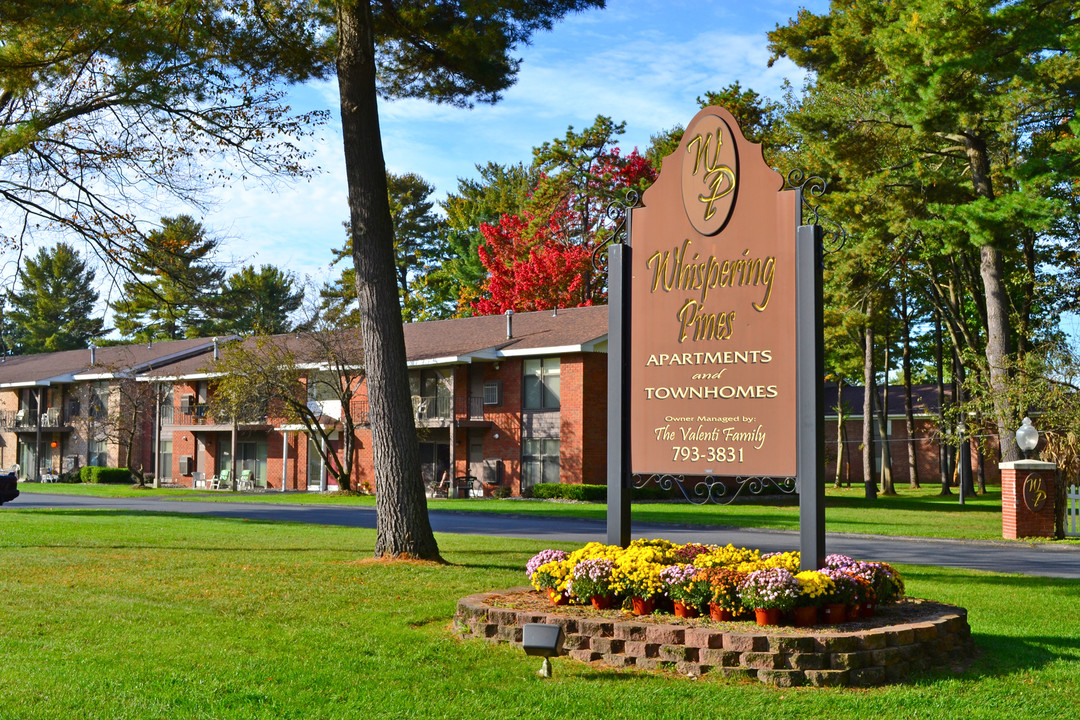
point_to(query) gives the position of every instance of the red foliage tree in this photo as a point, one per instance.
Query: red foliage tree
(543, 258)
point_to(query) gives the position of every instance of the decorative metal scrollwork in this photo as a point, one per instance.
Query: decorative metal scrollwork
(813, 187)
(616, 212)
(716, 490)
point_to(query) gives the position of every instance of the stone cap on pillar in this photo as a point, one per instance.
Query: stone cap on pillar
(1029, 465)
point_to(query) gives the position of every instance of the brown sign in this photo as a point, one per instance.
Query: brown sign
(712, 358)
(1034, 492)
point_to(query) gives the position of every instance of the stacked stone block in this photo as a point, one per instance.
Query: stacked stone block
(861, 658)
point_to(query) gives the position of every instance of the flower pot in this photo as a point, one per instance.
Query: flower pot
(805, 616)
(643, 606)
(685, 611)
(557, 597)
(767, 616)
(602, 602)
(833, 613)
(866, 609)
(720, 614)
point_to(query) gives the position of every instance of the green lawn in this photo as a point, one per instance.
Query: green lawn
(118, 615)
(921, 513)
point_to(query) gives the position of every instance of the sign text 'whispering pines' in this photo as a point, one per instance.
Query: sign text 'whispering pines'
(712, 357)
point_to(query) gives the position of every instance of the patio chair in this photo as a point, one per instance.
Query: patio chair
(247, 480)
(198, 480)
(223, 481)
(440, 488)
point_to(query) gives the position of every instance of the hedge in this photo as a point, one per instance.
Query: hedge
(104, 475)
(586, 492)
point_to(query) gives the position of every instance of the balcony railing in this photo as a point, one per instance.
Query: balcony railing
(188, 415)
(471, 408)
(53, 418)
(434, 408)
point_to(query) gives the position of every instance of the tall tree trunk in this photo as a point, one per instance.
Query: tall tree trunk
(997, 304)
(963, 450)
(869, 482)
(909, 411)
(980, 458)
(402, 524)
(939, 360)
(883, 432)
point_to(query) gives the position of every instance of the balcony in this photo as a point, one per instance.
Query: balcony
(469, 412)
(199, 416)
(52, 419)
(432, 410)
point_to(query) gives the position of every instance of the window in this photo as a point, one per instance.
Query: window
(542, 384)
(165, 458)
(493, 392)
(97, 453)
(99, 400)
(322, 386)
(540, 461)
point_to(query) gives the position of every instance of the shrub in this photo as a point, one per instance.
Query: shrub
(501, 492)
(586, 492)
(105, 475)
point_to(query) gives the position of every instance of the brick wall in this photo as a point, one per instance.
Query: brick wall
(506, 421)
(583, 418)
(594, 419)
(571, 419)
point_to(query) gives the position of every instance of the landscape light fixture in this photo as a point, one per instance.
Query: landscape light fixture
(1027, 437)
(543, 641)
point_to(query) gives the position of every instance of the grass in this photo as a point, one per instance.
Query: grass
(120, 615)
(918, 513)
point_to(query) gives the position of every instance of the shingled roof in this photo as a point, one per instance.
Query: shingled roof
(924, 400)
(442, 342)
(63, 367)
(487, 337)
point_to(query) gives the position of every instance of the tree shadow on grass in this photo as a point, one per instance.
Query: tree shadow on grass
(1047, 603)
(990, 503)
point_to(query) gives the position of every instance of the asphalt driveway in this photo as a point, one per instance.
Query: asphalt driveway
(1040, 559)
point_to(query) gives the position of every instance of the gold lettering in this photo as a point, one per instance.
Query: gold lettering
(715, 173)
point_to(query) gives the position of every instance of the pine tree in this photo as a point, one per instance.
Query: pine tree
(177, 289)
(258, 302)
(53, 307)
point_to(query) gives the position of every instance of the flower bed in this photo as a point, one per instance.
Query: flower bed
(724, 582)
(601, 588)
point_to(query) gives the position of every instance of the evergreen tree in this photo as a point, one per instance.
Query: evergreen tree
(258, 302)
(984, 95)
(177, 291)
(52, 309)
(420, 249)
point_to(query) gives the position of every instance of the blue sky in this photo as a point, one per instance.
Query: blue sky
(640, 62)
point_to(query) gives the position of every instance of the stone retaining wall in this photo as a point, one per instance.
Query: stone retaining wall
(939, 641)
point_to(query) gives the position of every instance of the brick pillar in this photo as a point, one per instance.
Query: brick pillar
(1027, 499)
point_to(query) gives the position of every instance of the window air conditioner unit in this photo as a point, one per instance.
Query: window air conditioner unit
(187, 403)
(186, 465)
